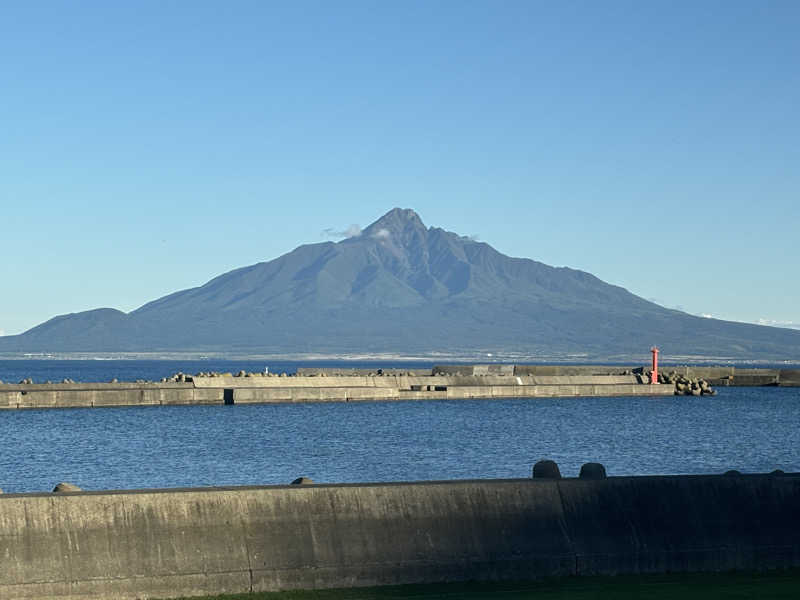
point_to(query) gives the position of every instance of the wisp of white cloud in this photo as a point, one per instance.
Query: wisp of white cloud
(382, 234)
(351, 231)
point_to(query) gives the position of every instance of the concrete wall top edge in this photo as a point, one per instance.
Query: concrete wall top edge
(434, 482)
(462, 374)
(235, 488)
(90, 387)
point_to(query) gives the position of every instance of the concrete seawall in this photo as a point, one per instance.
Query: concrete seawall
(259, 389)
(142, 544)
(349, 385)
(741, 376)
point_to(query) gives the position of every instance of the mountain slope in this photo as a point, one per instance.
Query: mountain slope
(401, 287)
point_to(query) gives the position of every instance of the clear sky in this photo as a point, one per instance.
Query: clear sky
(146, 147)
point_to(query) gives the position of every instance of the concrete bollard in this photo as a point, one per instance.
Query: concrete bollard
(303, 481)
(66, 487)
(593, 471)
(546, 469)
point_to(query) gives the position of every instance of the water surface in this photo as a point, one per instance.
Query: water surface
(749, 429)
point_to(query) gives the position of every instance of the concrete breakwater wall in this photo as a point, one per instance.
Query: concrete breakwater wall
(731, 376)
(741, 376)
(151, 543)
(76, 395)
(359, 372)
(345, 385)
(228, 389)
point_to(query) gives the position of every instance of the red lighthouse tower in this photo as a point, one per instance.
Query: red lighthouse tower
(654, 373)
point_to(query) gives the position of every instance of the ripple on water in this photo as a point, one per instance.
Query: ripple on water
(749, 429)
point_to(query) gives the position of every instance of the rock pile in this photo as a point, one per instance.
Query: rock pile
(687, 386)
(66, 487)
(178, 377)
(213, 374)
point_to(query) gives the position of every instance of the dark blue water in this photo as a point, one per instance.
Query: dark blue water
(750, 429)
(13, 371)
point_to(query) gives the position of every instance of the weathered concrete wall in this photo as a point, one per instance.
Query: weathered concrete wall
(88, 395)
(461, 381)
(493, 369)
(755, 379)
(402, 382)
(552, 370)
(703, 372)
(192, 542)
(259, 389)
(77, 395)
(531, 370)
(689, 523)
(262, 395)
(746, 377)
(338, 372)
(715, 375)
(789, 377)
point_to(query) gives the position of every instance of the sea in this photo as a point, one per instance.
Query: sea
(748, 429)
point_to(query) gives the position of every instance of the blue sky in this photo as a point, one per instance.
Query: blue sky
(146, 147)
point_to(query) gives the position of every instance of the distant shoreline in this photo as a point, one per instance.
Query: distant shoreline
(434, 357)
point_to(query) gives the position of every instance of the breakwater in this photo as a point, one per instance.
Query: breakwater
(718, 376)
(249, 388)
(346, 385)
(163, 543)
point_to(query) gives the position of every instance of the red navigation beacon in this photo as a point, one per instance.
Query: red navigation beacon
(654, 374)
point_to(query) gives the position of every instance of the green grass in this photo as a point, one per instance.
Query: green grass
(773, 585)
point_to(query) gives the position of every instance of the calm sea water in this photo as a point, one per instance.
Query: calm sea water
(750, 429)
(12, 371)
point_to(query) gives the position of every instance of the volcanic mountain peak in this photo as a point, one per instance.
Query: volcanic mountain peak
(401, 287)
(399, 235)
(396, 222)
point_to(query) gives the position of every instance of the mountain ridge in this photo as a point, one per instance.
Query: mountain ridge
(400, 286)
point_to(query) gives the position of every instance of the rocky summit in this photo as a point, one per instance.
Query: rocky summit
(403, 288)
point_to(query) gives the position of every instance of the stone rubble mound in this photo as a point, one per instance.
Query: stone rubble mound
(687, 386)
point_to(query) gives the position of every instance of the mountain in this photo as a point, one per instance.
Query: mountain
(401, 287)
